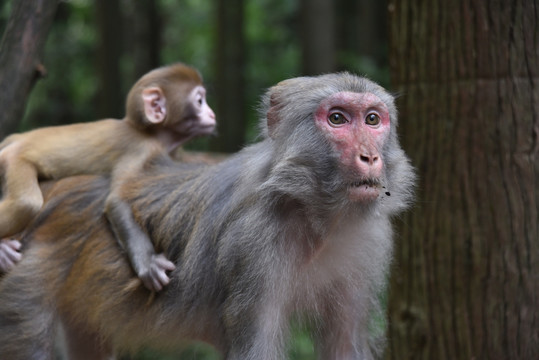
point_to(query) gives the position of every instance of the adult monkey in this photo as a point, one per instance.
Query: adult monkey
(298, 224)
(164, 108)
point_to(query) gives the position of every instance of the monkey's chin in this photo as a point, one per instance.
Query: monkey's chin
(363, 193)
(206, 130)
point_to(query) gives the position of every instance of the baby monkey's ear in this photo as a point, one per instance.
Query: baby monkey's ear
(155, 104)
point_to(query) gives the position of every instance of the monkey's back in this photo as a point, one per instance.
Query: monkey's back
(75, 149)
(104, 293)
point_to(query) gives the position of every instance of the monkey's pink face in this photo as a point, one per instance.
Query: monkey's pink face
(203, 121)
(357, 124)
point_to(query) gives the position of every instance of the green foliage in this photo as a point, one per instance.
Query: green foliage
(301, 347)
(5, 10)
(189, 34)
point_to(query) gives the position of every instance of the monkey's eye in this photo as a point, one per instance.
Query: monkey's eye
(372, 119)
(337, 119)
(200, 100)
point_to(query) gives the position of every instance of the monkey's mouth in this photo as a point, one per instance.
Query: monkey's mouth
(364, 189)
(365, 182)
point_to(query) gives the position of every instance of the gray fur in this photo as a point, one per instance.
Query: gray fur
(266, 236)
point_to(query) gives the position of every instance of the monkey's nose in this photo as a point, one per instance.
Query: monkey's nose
(369, 163)
(368, 159)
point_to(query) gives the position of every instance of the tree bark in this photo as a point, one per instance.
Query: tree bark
(111, 102)
(230, 77)
(465, 283)
(20, 57)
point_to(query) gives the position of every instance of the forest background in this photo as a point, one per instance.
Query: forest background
(97, 49)
(465, 277)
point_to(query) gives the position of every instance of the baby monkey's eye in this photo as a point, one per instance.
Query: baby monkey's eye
(337, 119)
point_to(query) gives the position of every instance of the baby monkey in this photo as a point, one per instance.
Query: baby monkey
(165, 108)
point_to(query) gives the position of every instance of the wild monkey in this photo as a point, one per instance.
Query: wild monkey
(298, 225)
(164, 108)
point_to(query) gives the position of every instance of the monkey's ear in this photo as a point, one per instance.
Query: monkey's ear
(277, 101)
(155, 104)
(273, 114)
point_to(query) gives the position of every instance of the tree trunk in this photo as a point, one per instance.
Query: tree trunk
(465, 283)
(20, 57)
(317, 33)
(230, 81)
(111, 102)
